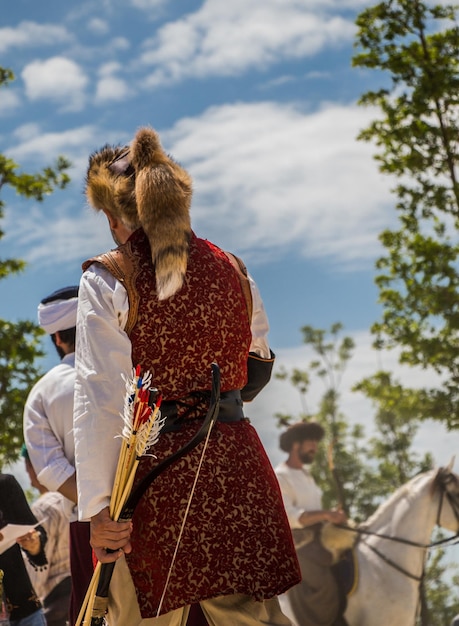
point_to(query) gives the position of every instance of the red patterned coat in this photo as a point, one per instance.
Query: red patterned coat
(237, 538)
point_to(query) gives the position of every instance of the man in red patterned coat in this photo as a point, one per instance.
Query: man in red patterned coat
(174, 304)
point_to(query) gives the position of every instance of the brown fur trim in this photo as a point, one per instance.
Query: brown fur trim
(163, 195)
(106, 190)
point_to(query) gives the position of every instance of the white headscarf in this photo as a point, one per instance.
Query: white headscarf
(57, 315)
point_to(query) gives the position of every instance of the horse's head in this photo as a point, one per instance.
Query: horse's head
(448, 484)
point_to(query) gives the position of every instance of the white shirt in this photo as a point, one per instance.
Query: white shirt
(50, 508)
(299, 492)
(48, 425)
(103, 355)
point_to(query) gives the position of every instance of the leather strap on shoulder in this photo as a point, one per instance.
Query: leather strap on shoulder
(120, 265)
(243, 279)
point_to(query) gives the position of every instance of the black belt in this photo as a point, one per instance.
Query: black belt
(230, 410)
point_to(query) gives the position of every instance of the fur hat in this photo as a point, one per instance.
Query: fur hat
(301, 431)
(145, 187)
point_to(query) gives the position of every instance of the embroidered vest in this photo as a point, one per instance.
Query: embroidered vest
(206, 321)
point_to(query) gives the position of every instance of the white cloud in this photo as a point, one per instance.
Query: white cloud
(277, 82)
(120, 43)
(38, 147)
(108, 69)
(224, 38)
(147, 4)
(31, 34)
(64, 224)
(317, 75)
(71, 232)
(59, 79)
(98, 26)
(282, 179)
(47, 143)
(110, 89)
(26, 132)
(34, 147)
(337, 4)
(9, 101)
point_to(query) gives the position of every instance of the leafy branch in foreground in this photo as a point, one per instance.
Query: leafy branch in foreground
(415, 48)
(20, 341)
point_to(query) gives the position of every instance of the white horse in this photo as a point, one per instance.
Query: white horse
(390, 571)
(390, 567)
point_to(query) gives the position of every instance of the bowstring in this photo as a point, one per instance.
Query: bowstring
(185, 516)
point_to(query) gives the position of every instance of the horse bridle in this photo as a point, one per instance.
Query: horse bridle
(455, 507)
(453, 503)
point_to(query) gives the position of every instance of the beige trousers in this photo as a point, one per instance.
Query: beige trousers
(234, 610)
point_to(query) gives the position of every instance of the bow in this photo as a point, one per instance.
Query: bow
(101, 599)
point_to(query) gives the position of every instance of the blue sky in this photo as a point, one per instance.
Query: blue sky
(258, 100)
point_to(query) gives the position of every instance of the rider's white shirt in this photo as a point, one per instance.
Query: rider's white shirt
(299, 492)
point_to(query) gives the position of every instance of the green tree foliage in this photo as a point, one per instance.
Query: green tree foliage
(339, 467)
(20, 342)
(414, 47)
(397, 423)
(19, 349)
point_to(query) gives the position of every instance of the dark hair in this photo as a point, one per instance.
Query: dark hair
(62, 294)
(302, 431)
(67, 336)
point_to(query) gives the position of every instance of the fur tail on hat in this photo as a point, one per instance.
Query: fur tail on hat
(163, 192)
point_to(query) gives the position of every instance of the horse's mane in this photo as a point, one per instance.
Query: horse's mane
(384, 514)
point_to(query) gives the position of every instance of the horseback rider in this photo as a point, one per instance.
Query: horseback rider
(316, 600)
